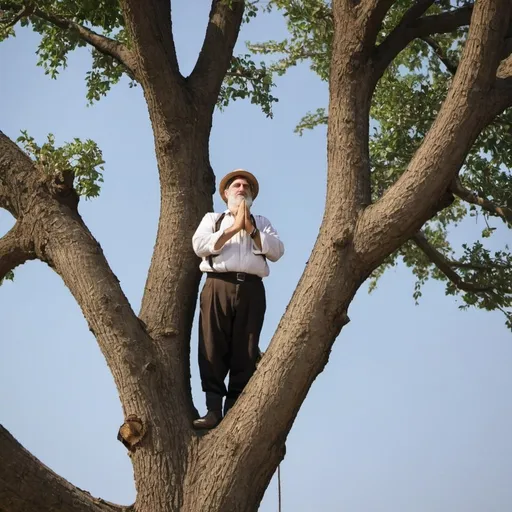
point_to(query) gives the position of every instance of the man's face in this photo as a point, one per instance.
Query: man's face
(238, 190)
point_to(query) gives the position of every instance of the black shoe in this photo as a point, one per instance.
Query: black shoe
(210, 420)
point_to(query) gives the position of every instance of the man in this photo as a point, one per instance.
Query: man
(235, 247)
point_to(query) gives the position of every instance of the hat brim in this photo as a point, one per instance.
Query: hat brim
(255, 187)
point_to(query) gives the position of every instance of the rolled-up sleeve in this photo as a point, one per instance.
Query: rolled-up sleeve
(204, 238)
(271, 246)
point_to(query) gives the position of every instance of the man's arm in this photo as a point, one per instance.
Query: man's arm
(269, 243)
(204, 239)
(226, 235)
(205, 242)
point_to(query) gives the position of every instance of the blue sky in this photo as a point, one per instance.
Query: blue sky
(414, 409)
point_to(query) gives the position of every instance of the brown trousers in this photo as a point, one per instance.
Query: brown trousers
(230, 322)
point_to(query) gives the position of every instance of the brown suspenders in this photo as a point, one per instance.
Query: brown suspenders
(218, 222)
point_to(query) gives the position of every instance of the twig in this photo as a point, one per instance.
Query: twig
(470, 197)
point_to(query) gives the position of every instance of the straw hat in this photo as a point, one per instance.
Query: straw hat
(239, 173)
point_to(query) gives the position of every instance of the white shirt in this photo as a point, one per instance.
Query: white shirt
(240, 253)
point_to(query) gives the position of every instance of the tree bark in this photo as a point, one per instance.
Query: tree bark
(15, 248)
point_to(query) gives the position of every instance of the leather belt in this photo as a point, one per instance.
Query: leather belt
(234, 277)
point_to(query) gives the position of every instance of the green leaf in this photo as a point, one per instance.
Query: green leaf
(102, 16)
(83, 158)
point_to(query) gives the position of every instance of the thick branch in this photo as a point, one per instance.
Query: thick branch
(445, 266)
(442, 23)
(470, 197)
(449, 64)
(17, 172)
(418, 9)
(373, 12)
(102, 43)
(150, 27)
(466, 110)
(58, 236)
(27, 485)
(411, 28)
(16, 247)
(378, 9)
(217, 50)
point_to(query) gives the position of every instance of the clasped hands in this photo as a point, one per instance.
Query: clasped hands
(243, 218)
(242, 222)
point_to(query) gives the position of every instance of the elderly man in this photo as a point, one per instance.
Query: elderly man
(235, 247)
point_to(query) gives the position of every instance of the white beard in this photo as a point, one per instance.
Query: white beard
(234, 201)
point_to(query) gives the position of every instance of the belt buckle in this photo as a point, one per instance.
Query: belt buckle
(240, 276)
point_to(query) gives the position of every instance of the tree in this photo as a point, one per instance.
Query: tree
(175, 469)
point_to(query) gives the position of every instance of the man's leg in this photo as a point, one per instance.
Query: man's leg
(250, 312)
(215, 331)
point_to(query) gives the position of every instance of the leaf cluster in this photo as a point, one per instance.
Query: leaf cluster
(83, 159)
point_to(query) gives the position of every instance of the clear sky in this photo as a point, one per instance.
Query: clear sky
(413, 413)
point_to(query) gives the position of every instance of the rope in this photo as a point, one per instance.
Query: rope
(279, 485)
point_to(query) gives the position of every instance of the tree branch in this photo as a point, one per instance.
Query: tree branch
(411, 28)
(103, 44)
(26, 10)
(415, 11)
(442, 23)
(16, 169)
(59, 237)
(26, 485)
(476, 266)
(373, 12)
(379, 8)
(150, 26)
(449, 64)
(217, 50)
(15, 248)
(445, 266)
(466, 110)
(471, 197)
